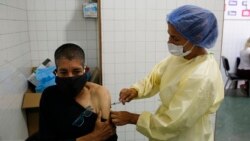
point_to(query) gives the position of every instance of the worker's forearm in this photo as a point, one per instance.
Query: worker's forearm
(134, 118)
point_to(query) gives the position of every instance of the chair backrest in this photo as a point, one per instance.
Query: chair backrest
(237, 63)
(225, 63)
(95, 76)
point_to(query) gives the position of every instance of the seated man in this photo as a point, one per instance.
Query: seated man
(74, 109)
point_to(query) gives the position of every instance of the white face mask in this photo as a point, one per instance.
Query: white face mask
(177, 50)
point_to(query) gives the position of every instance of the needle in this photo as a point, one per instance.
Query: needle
(115, 103)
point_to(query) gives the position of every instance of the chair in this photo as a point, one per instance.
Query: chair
(33, 137)
(95, 75)
(233, 77)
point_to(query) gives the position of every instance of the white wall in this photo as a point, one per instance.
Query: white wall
(54, 22)
(235, 33)
(30, 31)
(234, 39)
(15, 65)
(134, 39)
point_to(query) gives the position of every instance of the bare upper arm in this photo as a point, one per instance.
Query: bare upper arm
(102, 96)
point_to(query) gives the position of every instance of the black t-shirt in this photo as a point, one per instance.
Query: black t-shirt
(62, 119)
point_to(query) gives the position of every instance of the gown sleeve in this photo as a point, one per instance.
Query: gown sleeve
(149, 86)
(189, 104)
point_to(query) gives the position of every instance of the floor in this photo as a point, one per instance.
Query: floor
(233, 117)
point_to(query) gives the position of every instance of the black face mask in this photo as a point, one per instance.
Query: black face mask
(71, 86)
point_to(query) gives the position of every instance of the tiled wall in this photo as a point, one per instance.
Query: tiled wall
(15, 65)
(134, 39)
(54, 22)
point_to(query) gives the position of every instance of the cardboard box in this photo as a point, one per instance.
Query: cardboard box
(31, 106)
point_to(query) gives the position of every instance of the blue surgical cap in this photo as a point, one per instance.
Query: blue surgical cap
(196, 24)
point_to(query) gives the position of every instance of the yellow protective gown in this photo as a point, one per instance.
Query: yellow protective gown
(190, 92)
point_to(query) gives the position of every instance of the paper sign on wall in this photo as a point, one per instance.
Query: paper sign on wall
(237, 9)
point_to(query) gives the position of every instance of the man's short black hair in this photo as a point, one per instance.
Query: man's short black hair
(69, 51)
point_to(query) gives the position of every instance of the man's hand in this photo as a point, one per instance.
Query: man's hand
(120, 118)
(101, 132)
(126, 95)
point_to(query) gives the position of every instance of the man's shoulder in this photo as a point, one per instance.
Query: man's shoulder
(94, 86)
(49, 91)
(48, 96)
(97, 89)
